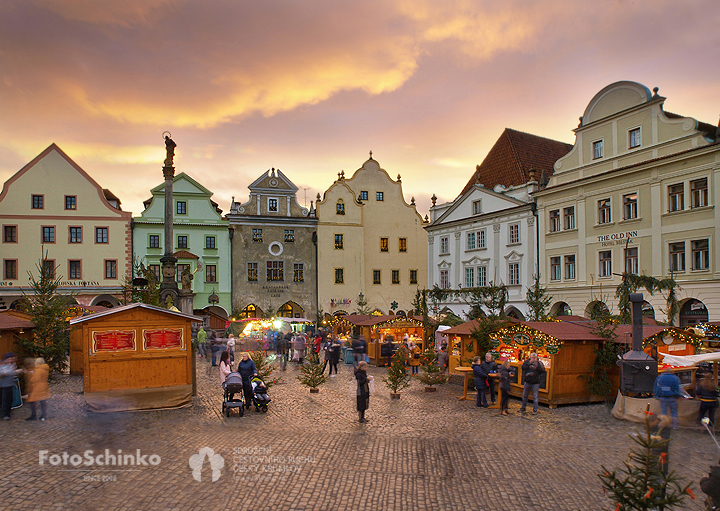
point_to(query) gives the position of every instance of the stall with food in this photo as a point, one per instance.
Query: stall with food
(377, 330)
(254, 333)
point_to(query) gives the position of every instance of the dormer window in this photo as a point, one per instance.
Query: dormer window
(272, 205)
(477, 207)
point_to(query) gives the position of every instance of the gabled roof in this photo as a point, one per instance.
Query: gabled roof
(11, 322)
(185, 254)
(513, 156)
(122, 308)
(512, 203)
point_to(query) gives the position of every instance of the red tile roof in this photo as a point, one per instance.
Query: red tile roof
(184, 254)
(513, 156)
(10, 322)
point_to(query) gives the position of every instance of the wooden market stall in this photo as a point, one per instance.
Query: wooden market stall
(134, 357)
(14, 325)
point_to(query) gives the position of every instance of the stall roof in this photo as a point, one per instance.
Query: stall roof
(11, 322)
(368, 320)
(130, 306)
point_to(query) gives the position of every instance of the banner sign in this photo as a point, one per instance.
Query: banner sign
(113, 340)
(163, 338)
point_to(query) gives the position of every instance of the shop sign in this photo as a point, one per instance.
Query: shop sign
(617, 238)
(507, 340)
(521, 339)
(494, 343)
(162, 338)
(552, 349)
(113, 340)
(537, 342)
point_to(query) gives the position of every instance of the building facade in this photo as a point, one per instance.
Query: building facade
(53, 213)
(274, 251)
(636, 194)
(201, 241)
(370, 243)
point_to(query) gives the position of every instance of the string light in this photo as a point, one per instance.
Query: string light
(520, 335)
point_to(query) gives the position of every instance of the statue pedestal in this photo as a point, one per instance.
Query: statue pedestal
(185, 299)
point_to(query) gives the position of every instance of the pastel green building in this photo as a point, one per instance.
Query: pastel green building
(201, 241)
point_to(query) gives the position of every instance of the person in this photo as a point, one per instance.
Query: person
(706, 392)
(327, 350)
(363, 390)
(38, 388)
(667, 390)
(317, 343)
(336, 348)
(357, 348)
(282, 348)
(504, 374)
(532, 373)
(443, 358)
(480, 379)
(201, 336)
(387, 349)
(490, 368)
(225, 366)
(299, 343)
(414, 358)
(214, 346)
(8, 372)
(231, 347)
(246, 368)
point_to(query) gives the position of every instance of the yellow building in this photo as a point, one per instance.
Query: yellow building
(635, 194)
(53, 205)
(370, 242)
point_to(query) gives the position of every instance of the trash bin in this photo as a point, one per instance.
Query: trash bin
(348, 356)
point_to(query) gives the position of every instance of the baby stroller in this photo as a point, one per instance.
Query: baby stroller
(233, 394)
(260, 397)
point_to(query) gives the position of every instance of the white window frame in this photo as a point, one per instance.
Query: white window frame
(699, 196)
(471, 240)
(676, 201)
(630, 207)
(444, 245)
(444, 279)
(469, 276)
(514, 273)
(600, 211)
(704, 259)
(630, 266)
(277, 205)
(477, 207)
(595, 144)
(514, 227)
(481, 239)
(679, 256)
(481, 276)
(569, 220)
(555, 269)
(631, 132)
(555, 220)
(570, 266)
(604, 265)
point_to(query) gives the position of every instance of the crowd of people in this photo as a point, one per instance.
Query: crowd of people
(37, 389)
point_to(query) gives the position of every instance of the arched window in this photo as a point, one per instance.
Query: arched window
(251, 311)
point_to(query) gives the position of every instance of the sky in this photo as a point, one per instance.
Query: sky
(312, 86)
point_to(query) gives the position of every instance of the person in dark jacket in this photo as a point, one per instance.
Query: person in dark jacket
(283, 347)
(707, 394)
(532, 372)
(336, 349)
(215, 347)
(363, 390)
(327, 349)
(667, 390)
(490, 368)
(246, 368)
(504, 374)
(481, 384)
(357, 347)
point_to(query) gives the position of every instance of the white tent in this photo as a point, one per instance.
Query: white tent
(690, 360)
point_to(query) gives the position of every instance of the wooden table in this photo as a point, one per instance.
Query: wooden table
(467, 372)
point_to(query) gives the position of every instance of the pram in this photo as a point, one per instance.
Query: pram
(233, 385)
(260, 397)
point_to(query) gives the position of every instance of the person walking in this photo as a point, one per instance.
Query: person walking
(214, 346)
(358, 352)
(38, 388)
(667, 390)
(327, 350)
(504, 374)
(414, 360)
(336, 349)
(706, 392)
(490, 368)
(532, 373)
(299, 343)
(282, 349)
(247, 369)
(231, 347)
(480, 381)
(201, 337)
(225, 366)
(8, 372)
(363, 390)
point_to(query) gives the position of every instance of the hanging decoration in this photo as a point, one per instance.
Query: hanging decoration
(520, 334)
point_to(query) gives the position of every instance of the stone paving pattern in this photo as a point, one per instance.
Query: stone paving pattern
(425, 451)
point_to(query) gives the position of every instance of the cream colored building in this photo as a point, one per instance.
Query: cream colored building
(52, 204)
(370, 241)
(636, 193)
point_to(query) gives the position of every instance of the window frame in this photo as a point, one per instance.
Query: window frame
(555, 266)
(181, 205)
(40, 198)
(384, 244)
(677, 255)
(150, 240)
(75, 234)
(412, 278)
(273, 205)
(630, 207)
(444, 245)
(339, 241)
(340, 207)
(402, 245)
(676, 197)
(703, 253)
(481, 276)
(379, 196)
(99, 230)
(699, 197)
(363, 195)
(275, 271)
(515, 226)
(44, 262)
(444, 279)
(477, 207)
(395, 276)
(211, 273)
(604, 264)
(604, 206)
(631, 139)
(598, 149)
(339, 275)
(554, 220)
(185, 239)
(210, 245)
(631, 267)
(78, 264)
(257, 235)
(569, 218)
(469, 277)
(514, 273)
(569, 266)
(73, 203)
(252, 272)
(482, 239)
(113, 268)
(42, 234)
(179, 268)
(5, 269)
(289, 236)
(298, 272)
(377, 277)
(10, 229)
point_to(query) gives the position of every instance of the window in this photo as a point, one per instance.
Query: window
(289, 235)
(181, 208)
(413, 276)
(604, 211)
(210, 242)
(339, 239)
(101, 234)
(48, 234)
(477, 207)
(700, 254)
(377, 277)
(470, 276)
(110, 269)
(570, 267)
(364, 195)
(514, 230)
(275, 271)
(48, 267)
(179, 269)
(634, 138)
(339, 275)
(298, 272)
(38, 201)
(677, 256)
(444, 279)
(71, 202)
(155, 268)
(630, 206)
(555, 220)
(699, 193)
(444, 246)
(514, 274)
(569, 215)
(383, 244)
(74, 270)
(9, 233)
(154, 241)
(252, 272)
(597, 149)
(395, 276)
(631, 260)
(481, 239)
(471, 245)
(481, 276)
(402, 244)
(340, 208)
(10, 269)
(257, 235)
(676, 197)
(182, 242)
(555, 268)
(210, 273)
(379, 196)
(75, 234)
(272, 205)
(605, 259)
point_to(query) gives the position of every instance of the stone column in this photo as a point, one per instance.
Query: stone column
(168, 286)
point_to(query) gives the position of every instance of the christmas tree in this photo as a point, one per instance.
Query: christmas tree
(645, 482)
(264, 367)
(432, 374)
(311, 372)
(397, 377)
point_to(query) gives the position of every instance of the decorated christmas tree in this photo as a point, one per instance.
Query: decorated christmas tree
(265, 367)
(432, 374)
(645, 482)
(311, 372)
(397, 377)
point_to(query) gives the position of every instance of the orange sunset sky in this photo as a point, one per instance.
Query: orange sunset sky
(311, 86)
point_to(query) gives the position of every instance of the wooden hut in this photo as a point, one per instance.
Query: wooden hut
(134, 357)
(375, 329)
(14, 325)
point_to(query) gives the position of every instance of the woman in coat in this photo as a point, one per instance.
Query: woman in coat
(246, 368)
(504, 373)
(414, 360)
(38, 388)
(363, 390)
(481, 383)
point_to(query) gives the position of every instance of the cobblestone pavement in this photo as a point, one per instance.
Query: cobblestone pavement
(426, 451)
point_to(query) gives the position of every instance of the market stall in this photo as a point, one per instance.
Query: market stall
(376, 330)
(134, 357)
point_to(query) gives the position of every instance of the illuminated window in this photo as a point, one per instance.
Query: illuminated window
(339, 238)
(257, 235)
(413, 277)
(289, 235)
(402, 244)
(298, 272)
(379, 196)
(70, 202)
(275, 271)
(364, 195)
(272, 205)
(377, 277)
(252, 272)
(383, 244)
(340, 208)
(395, 276)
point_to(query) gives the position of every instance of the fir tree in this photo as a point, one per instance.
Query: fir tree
(432, 374)
(311, 372)
(538, 300)
(397, 377)
(264, 367)
(597, 382)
